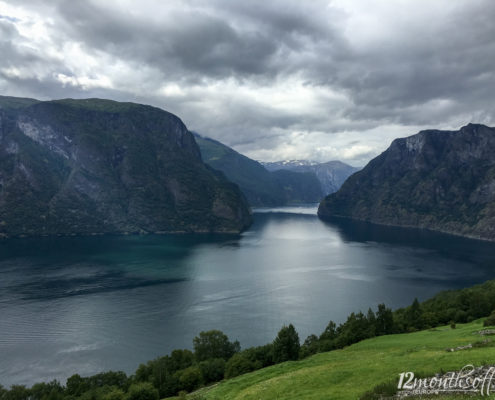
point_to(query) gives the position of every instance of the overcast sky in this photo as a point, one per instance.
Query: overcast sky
(284, 79)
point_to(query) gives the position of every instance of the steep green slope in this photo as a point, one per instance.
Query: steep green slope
(348, 373)
(255, 181)
(261, 187)
(440, 180)
(98, 166)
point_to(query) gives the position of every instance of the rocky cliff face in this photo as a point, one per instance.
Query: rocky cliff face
(440, 180)
(99, 166)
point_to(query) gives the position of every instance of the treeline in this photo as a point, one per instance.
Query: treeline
(215, 357)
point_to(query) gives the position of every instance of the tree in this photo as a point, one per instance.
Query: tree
(76, 385)
(413, 316)
(310, 346)
(371, 317)
(330, 332)
(181, 359)
(328, 338)
(355, 329)
(286, 345)
(142, 391)
(109, 378)
(384, 324)
(214, 344)
(47, 391)
(17, 392)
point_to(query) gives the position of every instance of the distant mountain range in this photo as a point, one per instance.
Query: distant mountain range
(331, 174)
(99, 166)
(260, 186)
(440, 180)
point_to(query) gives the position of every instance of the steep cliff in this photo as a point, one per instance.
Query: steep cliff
(440, 180)
(99, 166)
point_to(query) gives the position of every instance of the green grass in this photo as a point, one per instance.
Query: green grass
(348, 373)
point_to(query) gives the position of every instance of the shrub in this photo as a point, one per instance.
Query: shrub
(142, 391)
(190, 378)
(114, 394)
(212, 370)
(240, 364)
(490, 321)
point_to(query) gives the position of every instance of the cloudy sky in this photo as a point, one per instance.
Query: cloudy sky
(274, 79)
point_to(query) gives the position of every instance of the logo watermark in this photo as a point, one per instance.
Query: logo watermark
(469, 380)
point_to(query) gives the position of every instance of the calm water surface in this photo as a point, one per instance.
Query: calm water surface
(84, 305)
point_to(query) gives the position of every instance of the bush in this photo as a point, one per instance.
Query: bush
(212, 370)
(190, 379)
(286, 345)
(142, 391)
(490, 321)
(240, 364)
(261, 354)
(114, 394)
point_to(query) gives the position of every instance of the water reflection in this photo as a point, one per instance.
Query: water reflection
(91, 304)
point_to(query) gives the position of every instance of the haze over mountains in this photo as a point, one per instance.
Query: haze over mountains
(260, 186)
(99, 166)
(331, 174)
(440, 180)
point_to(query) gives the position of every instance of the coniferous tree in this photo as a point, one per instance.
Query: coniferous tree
(286, 345)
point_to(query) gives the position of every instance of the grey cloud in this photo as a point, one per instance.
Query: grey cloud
(436, 72)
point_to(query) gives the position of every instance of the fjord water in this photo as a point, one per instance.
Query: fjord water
(85, 305)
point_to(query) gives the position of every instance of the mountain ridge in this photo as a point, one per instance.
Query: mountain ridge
(95, 166)
(261, 187)
(437, 180)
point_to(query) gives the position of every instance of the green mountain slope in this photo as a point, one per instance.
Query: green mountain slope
(349, 373)
(98, 166)
(440, 180)
(261, 187)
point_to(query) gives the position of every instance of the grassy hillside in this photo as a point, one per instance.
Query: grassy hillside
(348, 373)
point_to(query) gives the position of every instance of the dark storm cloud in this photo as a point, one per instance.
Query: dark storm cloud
(261, 73)
(185, 43)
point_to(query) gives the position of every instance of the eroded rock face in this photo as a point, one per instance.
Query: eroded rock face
(99, 166)
(440, 180)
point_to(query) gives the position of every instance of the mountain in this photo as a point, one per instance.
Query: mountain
(439, 180)
(261, 187)
(99, 166)
(331, 175)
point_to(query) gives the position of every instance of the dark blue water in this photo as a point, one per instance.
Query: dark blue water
(84, 305)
